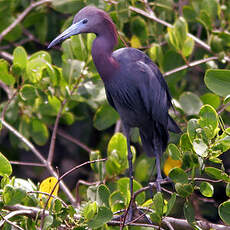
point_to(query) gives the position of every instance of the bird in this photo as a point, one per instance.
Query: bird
(133, 83)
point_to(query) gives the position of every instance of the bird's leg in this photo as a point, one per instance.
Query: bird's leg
(159, 176)
(130, 158)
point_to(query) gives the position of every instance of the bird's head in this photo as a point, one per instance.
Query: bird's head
(88, 20)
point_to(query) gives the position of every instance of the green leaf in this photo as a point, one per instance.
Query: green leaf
(5, 76)
(5, 168)
(224, 211)
(67, 6)
(45, 56)
(228, 189)
(39, 132)
(206, 189)
(211, 99)
(170, 204)
(185, 143)
(48, 221)
(184, 190)
(209, 120)
(174, 152)
(105, 117)
(143, 167)
(178, 175)
(28, 92)
(90, 210)
(217, 174)
(103, 215)
(139, 28)
(50, 107)
(72, 70)
(103, 194)
(200, 147)
(20, 57)
(155, 217)
(188, 47)
(158, 203)
(218, 81)
(189, 13)
(191, 129)
(190, 103)
(123, 185)
(12, 196)
(210, 7)
(189, 212)
(156, 53)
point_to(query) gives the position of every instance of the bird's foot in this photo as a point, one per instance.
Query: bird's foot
(157, 184)
(133, 215)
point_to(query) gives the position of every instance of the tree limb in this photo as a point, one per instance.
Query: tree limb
(21, 17)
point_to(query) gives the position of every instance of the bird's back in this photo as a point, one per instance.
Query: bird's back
(138, 91)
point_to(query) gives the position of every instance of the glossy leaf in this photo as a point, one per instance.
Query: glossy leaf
(211, 99)
(103, 194)
(105, 117)
(20, 57)
(218, 81)
(6, 168)
(170, 204)
(190, 103)
(217, 174)
(103, 215)
(178, 175)
(224, 211)
(206, 189)
(174, 152)
(189, 212)
(5, 76)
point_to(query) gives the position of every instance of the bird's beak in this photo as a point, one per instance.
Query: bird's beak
(72, 30)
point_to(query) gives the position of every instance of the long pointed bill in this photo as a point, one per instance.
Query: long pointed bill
(72, 30)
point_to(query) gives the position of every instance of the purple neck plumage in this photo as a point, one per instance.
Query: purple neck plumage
(102, 50)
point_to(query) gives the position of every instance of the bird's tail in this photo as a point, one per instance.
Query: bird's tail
(172, 125)
(154, 139)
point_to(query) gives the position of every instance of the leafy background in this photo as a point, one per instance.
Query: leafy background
(58, 94)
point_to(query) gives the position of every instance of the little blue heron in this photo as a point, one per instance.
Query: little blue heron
(134, 85)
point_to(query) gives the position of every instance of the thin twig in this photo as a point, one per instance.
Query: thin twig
(21, 17)
(222, 108)
(64, 175)
(27, 163)
(5, 88)
(54, 134)
(6, 56)
(40, 157)
(68, 137)
(7, 217)
(47, 194)
(153, 17)
(194, 63)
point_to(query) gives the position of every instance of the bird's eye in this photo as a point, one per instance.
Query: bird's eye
(85, 21)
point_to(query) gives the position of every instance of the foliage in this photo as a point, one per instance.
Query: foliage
(40, 89)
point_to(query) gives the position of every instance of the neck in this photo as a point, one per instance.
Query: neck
(102, 53)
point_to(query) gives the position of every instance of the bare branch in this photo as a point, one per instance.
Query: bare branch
(40, 157)
(6, 219)
(21, 17)
(70, 138)
(27, 163)
(162, 22)
(6, 56)
(190, 65)
(54, 134)
(5, 88)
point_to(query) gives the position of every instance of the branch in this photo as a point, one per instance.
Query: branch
(21, 17)
(190, 65)
(27, 163)
(68, 137)
(162, 22)
(6, 56)
(40, 157)
(54, 134)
